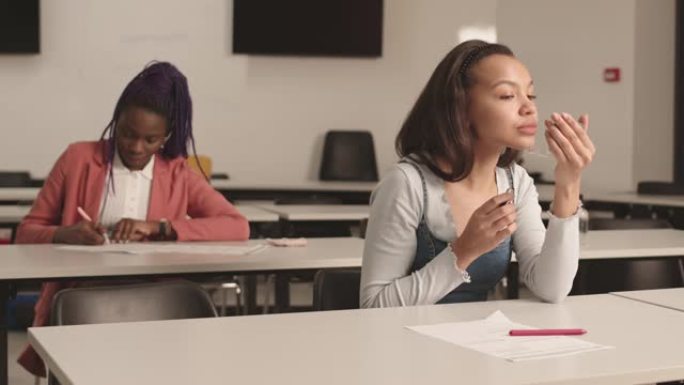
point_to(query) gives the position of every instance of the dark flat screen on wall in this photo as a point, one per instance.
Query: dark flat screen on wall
(308, 27)
(19, 26)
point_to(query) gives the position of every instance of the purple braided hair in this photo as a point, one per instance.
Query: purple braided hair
(161, 88)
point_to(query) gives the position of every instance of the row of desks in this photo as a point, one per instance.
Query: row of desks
(230, 188)
(24, 263)
(254, 212)
(595, 245)
(370, 346)
(47, 261)
(348, 192)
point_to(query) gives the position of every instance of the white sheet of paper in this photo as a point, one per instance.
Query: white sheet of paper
(490, 336)
(149, 248)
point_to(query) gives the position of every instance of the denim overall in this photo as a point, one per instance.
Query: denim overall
(485, 272)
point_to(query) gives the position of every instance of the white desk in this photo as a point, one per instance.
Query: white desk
(13, 214)
(256, 214)
(638, 199)
(612, 244)
(619, 244)
(669, 298)
(629, 198)
(41, 262)
(290, 186)
(22, 262)
(366, 347)
(18, 193)
(30, 193)
(318, 212)
(643, 243)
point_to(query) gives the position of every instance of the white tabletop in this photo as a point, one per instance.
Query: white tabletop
(608, 244)
(18, 193)
(625, 197)
(669, 298)
(30, 193)
(255, 214)
(290, 186)
(13, 214)
(545, 192)
(47, 261)
(642, 199)
(612, 244)
(318, 212)
(366, 347)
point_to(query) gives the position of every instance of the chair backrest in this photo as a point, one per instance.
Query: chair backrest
(349, 156)
(15, 179)
(202, 161)
(130, 303)
(336, 289)
(627, 224)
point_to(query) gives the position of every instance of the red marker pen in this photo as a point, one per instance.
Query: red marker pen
(546, 332)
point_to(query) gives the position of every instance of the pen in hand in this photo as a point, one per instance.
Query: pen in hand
(85, 216)
(546, 332)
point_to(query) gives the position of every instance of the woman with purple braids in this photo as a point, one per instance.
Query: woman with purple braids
(131, 185)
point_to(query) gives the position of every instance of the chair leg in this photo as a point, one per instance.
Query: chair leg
(267, 292)
(238, 296)
(224, 301)
(238, 300)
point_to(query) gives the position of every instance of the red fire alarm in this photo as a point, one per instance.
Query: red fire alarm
(611, 75)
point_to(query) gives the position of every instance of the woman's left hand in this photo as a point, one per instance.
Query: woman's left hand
(133, 230)
(571, 146)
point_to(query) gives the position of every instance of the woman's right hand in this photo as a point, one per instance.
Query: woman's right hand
(489, 225)
(82, 233)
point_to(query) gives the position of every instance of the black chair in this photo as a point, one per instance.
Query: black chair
(349, 156)
(605, 276)
(15, 179)
(336, 289)
(129, 303)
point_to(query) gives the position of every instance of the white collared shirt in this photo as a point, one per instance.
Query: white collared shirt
(127, 195)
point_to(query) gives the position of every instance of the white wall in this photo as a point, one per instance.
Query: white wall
(567, 44)
(258, 117)
(654, 67)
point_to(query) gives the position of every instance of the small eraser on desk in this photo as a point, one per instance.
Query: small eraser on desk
(287, 241)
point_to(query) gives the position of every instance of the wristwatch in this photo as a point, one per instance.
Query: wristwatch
(163, 229)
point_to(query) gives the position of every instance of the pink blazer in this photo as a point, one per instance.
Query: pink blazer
(78, 178)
